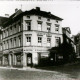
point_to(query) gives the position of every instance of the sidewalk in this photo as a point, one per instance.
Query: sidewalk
(26, 69)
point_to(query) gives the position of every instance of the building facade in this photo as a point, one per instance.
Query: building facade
(28, 35)
(76, 39)
(66, 37)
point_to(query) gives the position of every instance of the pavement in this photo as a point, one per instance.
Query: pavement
(25, 69)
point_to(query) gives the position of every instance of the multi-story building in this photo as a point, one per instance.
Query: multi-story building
(76, 39)
(28, 35)
(67, 38)
(2, 20)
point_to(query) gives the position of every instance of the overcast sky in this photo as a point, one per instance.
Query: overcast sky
(68, 10)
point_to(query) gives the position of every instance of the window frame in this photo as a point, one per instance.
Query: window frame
(28, 25)
(57, 27)
(39, 26)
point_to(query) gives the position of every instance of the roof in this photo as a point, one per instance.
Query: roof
(41, 13)
(36, 11)
(2, 20)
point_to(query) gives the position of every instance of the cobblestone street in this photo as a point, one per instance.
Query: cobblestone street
(46, 73)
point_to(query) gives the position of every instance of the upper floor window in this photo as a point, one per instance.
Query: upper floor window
(11, 30)
(48, 27)
(28, 40)
(15, 28)
(39, 26)
(4, 45)
(48, 41)
(0, 47)
(48, 19)
(19, 25)
(7, 32)
(57, 27)
(19, 40)
(28, 25)
(1, 36)
(7, 45)
(14, 41)
(11, 43)
(57, 21)
(39, 18)
(28, 17)
(4, 33)
(39, 41)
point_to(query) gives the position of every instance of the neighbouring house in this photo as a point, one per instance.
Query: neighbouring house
(2, 20)
(28, 35)
(66, 50)
(76, 39)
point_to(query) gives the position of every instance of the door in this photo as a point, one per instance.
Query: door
(29, 59)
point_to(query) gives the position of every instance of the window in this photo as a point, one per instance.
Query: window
(57, 40)
(15, 42)
(4, 34)
(15, 28)
(28, 40)
(57, 21)
(39, 41)
(39, 17)
(1, 47)
(10, 43)
(4, 45)
(48, 27)
(56, 27)
(19, 25)
(7, 45)
(1, 36)
(28, 25)
(7, 32)
(48, 41)
(28, 17)
(11, 30)
(39, 26)
(48, 19)
(19, 40)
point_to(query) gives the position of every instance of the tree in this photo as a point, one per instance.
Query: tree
(66, 50)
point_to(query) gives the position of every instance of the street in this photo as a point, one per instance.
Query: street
(71, 72)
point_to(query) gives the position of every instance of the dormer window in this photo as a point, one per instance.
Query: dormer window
(39, 18)
(48, 19)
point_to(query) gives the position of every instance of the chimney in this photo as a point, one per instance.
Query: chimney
(6, 15)
(16, 10)
(38, 8)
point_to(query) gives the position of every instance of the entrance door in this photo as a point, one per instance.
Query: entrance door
(29, 59)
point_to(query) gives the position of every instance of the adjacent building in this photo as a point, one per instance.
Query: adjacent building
(67, 38)
(28, 35)
(76, 39)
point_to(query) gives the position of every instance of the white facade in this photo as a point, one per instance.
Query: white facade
(31, 34)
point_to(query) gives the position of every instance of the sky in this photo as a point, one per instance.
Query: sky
(68, 10)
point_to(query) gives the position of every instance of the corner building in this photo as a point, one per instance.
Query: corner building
(28, 35)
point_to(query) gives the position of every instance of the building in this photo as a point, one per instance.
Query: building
(76, 39)
(28, 35)
(2, 20)
(67, 38)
